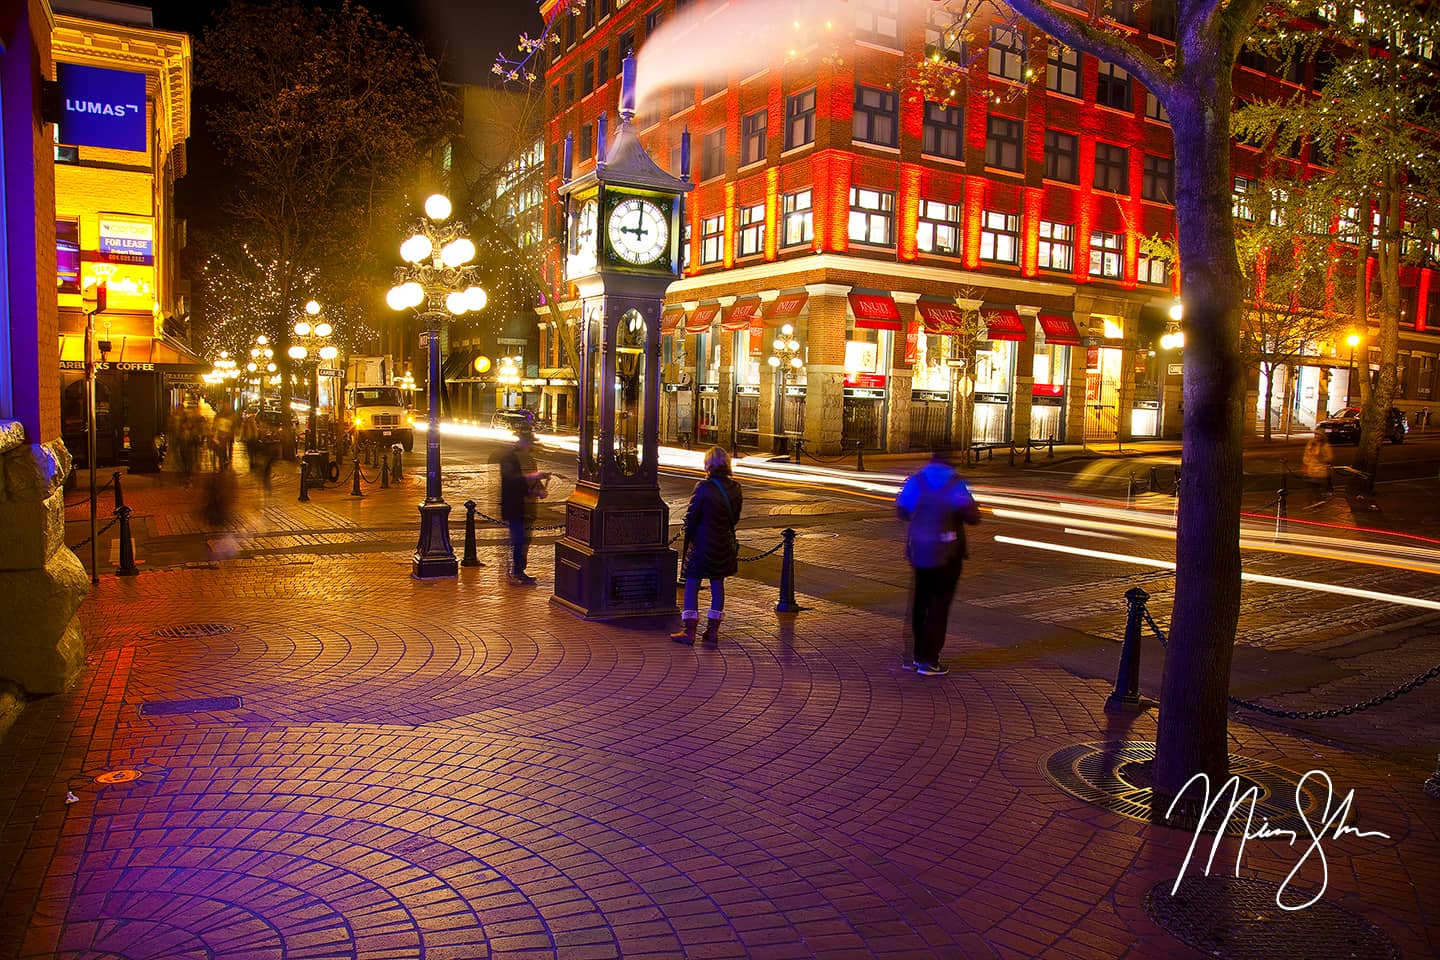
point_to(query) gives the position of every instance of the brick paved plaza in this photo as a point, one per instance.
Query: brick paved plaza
(461, 769)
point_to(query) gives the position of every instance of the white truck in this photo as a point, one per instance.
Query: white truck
(375, 403)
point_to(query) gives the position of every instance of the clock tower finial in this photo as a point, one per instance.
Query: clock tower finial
(627, 89)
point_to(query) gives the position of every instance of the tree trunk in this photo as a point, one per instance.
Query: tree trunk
(1269, 371)
(1192, 727)
(1373, 417)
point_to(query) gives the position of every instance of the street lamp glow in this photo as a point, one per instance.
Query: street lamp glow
(298, 352)
(437, 207)
(262, 339)
(323, 329)
(312, 307)
(796, 362)
(774, 361)
(787, 330)
(328, 352)
(1353, 340)
(475, 298)
(1177, 311)
(458, 251)
(302, 329)
(778, 344)
(792, 344)
(417, 248)
(455, 302)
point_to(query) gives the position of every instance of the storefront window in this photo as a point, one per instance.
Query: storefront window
(867, 352)
(994, 362)
(748, 355)
(931, 370)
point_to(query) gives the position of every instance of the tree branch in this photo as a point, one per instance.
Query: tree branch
(1237, 20)
(1081, 34)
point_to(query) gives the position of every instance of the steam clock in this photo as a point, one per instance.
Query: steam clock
(622, 252)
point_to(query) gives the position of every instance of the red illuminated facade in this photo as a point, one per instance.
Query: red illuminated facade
(869, 218)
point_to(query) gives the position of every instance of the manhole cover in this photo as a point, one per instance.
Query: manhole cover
(168, 708)
(1117, 776)
(1238, 919)
(118, 776)
(188, 630)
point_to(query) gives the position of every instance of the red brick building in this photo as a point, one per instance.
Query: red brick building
(831, 194)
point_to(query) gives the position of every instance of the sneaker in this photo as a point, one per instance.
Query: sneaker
(931, 669)
(522, 580)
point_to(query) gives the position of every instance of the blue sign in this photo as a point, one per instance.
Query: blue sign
(102, 108)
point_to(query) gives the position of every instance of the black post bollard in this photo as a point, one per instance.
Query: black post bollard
(119, 496)
(1154, 483)
(1028, 444)
(355, 479)
(304, 481)
(385, 470)
(1282, 511)
(397, 453)
(127, 566)
(1130, 488)
(471, 558)
(787, 602)
(1012, 454)
(1126, 696)
(859, 455)
(796, 449)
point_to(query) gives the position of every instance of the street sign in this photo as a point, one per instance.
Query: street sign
(328, 372)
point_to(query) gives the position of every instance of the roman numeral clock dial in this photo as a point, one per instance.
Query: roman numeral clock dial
(639, 231)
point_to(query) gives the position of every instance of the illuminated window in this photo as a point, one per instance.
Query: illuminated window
(1007, 53)
(1057, 246)
(754, 130)
(1158, 183)
(944, 134)
(1114, 87)
(939, 228)
(1003, 143)
(1154, 270)
(1112, 168)
(799, 216)
(999, 237)
(752, 230)
(712, 239)
(1062, 156)
(685, 246)
(878, 21)
(712, 154)
(876, 112)
(1107, 254)
(872, 216)
(800, 119)
(1240, 199)
(1154, 109)
(1062, 70)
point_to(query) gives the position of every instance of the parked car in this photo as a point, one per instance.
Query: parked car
(1344, 427)
(265, 429)
(514, 419)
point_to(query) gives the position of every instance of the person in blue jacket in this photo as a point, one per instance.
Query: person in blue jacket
(937, 506)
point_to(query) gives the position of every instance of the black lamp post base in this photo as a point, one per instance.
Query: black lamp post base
(434, 557)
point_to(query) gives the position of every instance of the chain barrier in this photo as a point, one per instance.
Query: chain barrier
(98, 533)
(1375, 701)
(762, 556)
(86, 499)
(840, 459)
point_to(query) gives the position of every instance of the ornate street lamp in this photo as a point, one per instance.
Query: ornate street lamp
(1354, 341)
(786, 360)
(312, 342)
(436, 284)
(262, 359)
(508, 376)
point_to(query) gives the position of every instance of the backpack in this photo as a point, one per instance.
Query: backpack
(937, 534)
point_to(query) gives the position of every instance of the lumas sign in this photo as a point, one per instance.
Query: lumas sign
(101, 108)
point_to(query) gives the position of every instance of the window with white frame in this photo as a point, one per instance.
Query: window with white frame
(712, 239)
(1062, 70)
(878, 21)
(1007, 53)
(754, 131)
(1057, 246)
(1240, 207)
(999, 237)
(944, 133)
(751, 236)
(876, 113)
(1107, 254)
(800, 119)
(938, 230)
(685, 236)
(943, 34)
(798, 211)
(1154, 109)
(1153, 270)
(872, 216)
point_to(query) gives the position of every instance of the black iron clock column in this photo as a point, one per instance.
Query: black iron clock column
(621, 254)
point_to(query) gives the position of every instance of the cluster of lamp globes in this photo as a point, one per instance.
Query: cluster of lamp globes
(320, 330)
(225, 369)
(261, 354)
(787, 345)
(1175, 339)
(420, 250)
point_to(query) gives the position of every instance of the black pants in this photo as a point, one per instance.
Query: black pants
(519, 546)
(934, 589)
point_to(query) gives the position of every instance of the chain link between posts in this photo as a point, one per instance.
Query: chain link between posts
(98, 533)
(1375, 701)
(86, 499)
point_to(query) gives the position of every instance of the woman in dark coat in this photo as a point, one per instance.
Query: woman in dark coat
(710, 545)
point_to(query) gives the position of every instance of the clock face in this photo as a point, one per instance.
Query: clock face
(639, 231)
(582, 255)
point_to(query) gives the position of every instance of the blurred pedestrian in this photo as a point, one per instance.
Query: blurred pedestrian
(937, 505)
(1316, 464)
(520, 486)
(712, 552)
(223, 436)
(192, 434)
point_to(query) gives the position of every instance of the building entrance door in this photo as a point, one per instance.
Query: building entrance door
(864, 422)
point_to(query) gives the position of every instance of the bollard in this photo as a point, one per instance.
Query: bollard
(787, 602)
(1130, 488)
(860, 456)
(355, 480)
(1281, 511)
(1126, 696)
(119, 496)
(304, 482)
(471, 558)
(796, 450)
(1012, 454)
(385, 471)
(127, 566)
(397, 454)
(1028, 444)
(1154, 483)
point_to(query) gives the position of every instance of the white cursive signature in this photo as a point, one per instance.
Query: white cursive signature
(1331, 827)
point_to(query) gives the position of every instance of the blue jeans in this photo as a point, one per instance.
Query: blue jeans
(519, 546)
(717, 593)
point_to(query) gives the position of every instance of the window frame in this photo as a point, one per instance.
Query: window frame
(1007, 60)
(798, 110)
(1000, 143)
(712, 154)
(871, 17)
(750, 230)
(1054, 156)
(995, 228)
(1107, 255)
(934, 130)
(1057, 243)
(1146, 267)
(754, 137)
(1058, 69)
(1116, 162)
(1114, 83)
(793, 215)
(876, 119)
(948, 218)
(712, 239)
(882, 215)
(1151, 177)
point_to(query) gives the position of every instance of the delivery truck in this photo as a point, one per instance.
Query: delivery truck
(375, 404)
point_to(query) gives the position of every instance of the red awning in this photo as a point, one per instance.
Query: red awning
(1059, 330)
(940, 316)
(671, 319)
(701, 319)
(741, 313)
(1003, 325)
(875, 311)
(787, 306)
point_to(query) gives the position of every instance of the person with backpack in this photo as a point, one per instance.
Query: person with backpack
(937, 505)
(712, 552)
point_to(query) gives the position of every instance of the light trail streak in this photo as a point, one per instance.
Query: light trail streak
(1310, 585)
